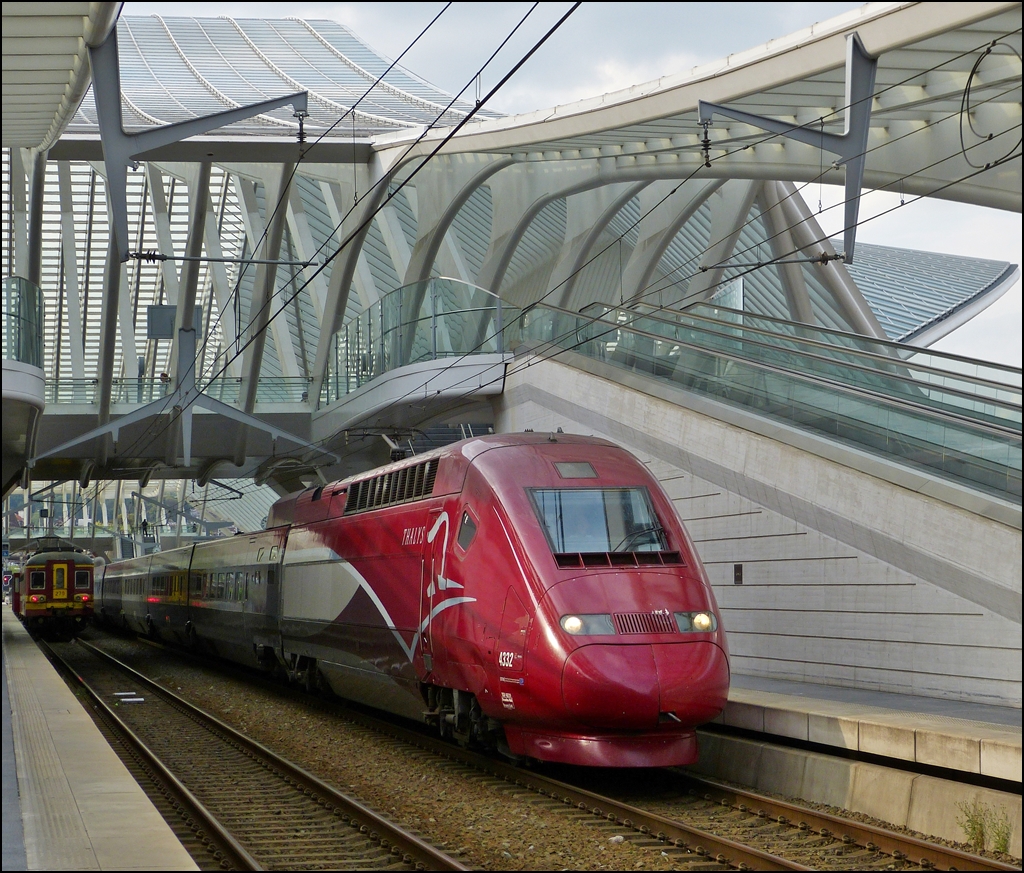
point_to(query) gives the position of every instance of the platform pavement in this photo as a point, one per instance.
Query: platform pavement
(80, 808)
(956, 735)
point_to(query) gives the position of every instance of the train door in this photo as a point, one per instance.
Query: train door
(433, 555)
(434, 591)
(60, 581)
(17, 591)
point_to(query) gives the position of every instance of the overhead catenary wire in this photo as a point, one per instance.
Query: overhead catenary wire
(393, 193)
(359, 199)
(200, 352)
(770, 262)
(765, 139)
(417, 389)
(768, 138)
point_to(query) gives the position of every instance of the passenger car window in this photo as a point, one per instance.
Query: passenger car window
(467, 530)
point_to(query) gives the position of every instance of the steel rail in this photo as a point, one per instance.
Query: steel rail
(387, 833)
(702, 843)
(871, 837)
(234, 853)
(900, 846)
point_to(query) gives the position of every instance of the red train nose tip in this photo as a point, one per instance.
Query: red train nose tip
(693, 680)
(628, 687)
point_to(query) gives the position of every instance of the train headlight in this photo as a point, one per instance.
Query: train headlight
(572, 624)
(587, 624)
(696, 622)
(37, 598)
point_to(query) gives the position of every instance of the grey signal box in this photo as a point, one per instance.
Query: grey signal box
(160, 321)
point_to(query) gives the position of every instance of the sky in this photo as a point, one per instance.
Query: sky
(605, 47)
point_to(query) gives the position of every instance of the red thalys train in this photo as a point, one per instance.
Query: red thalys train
(52, 590)
(532, 593)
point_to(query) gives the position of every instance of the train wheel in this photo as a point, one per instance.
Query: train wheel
(311, 678)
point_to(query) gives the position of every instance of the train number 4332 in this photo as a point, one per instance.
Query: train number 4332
(506, 659)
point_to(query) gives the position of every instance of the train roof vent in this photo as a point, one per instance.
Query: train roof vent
(389, 489)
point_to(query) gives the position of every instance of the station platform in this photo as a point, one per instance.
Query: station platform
(969, 737)
(68, 801)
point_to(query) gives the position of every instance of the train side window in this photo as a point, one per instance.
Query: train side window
(81, 578)
(467, 530)
(273, 553)
(259, 555)
(37, 580)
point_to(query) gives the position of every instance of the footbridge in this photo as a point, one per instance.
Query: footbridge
(428, 353)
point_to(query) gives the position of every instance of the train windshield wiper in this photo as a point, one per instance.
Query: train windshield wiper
(628, 539)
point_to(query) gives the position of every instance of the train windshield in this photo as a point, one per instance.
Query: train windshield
(598, 519)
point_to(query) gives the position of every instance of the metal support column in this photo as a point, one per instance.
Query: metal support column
(35, 219)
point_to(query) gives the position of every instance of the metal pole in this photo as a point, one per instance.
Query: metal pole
(35, 220)
(433, 321)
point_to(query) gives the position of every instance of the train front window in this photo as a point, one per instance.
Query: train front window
(81, 578)
(598, 519)
(37, 580)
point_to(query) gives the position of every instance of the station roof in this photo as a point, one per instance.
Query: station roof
(931, 101)
(46, 66)
(177, 68)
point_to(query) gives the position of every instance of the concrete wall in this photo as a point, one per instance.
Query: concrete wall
(923, 803)
(811, 606)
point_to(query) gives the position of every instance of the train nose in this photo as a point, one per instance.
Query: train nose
(635, 687)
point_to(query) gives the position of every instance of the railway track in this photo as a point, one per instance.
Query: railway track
(879, 841)
(248, 807)
(697, 823)
(736, 828)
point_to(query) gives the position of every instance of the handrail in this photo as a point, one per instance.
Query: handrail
(893, 344)
(671, 316)
(832, 384)
(890, 371)
(412, 324)
(983, 455)
(24, 312)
